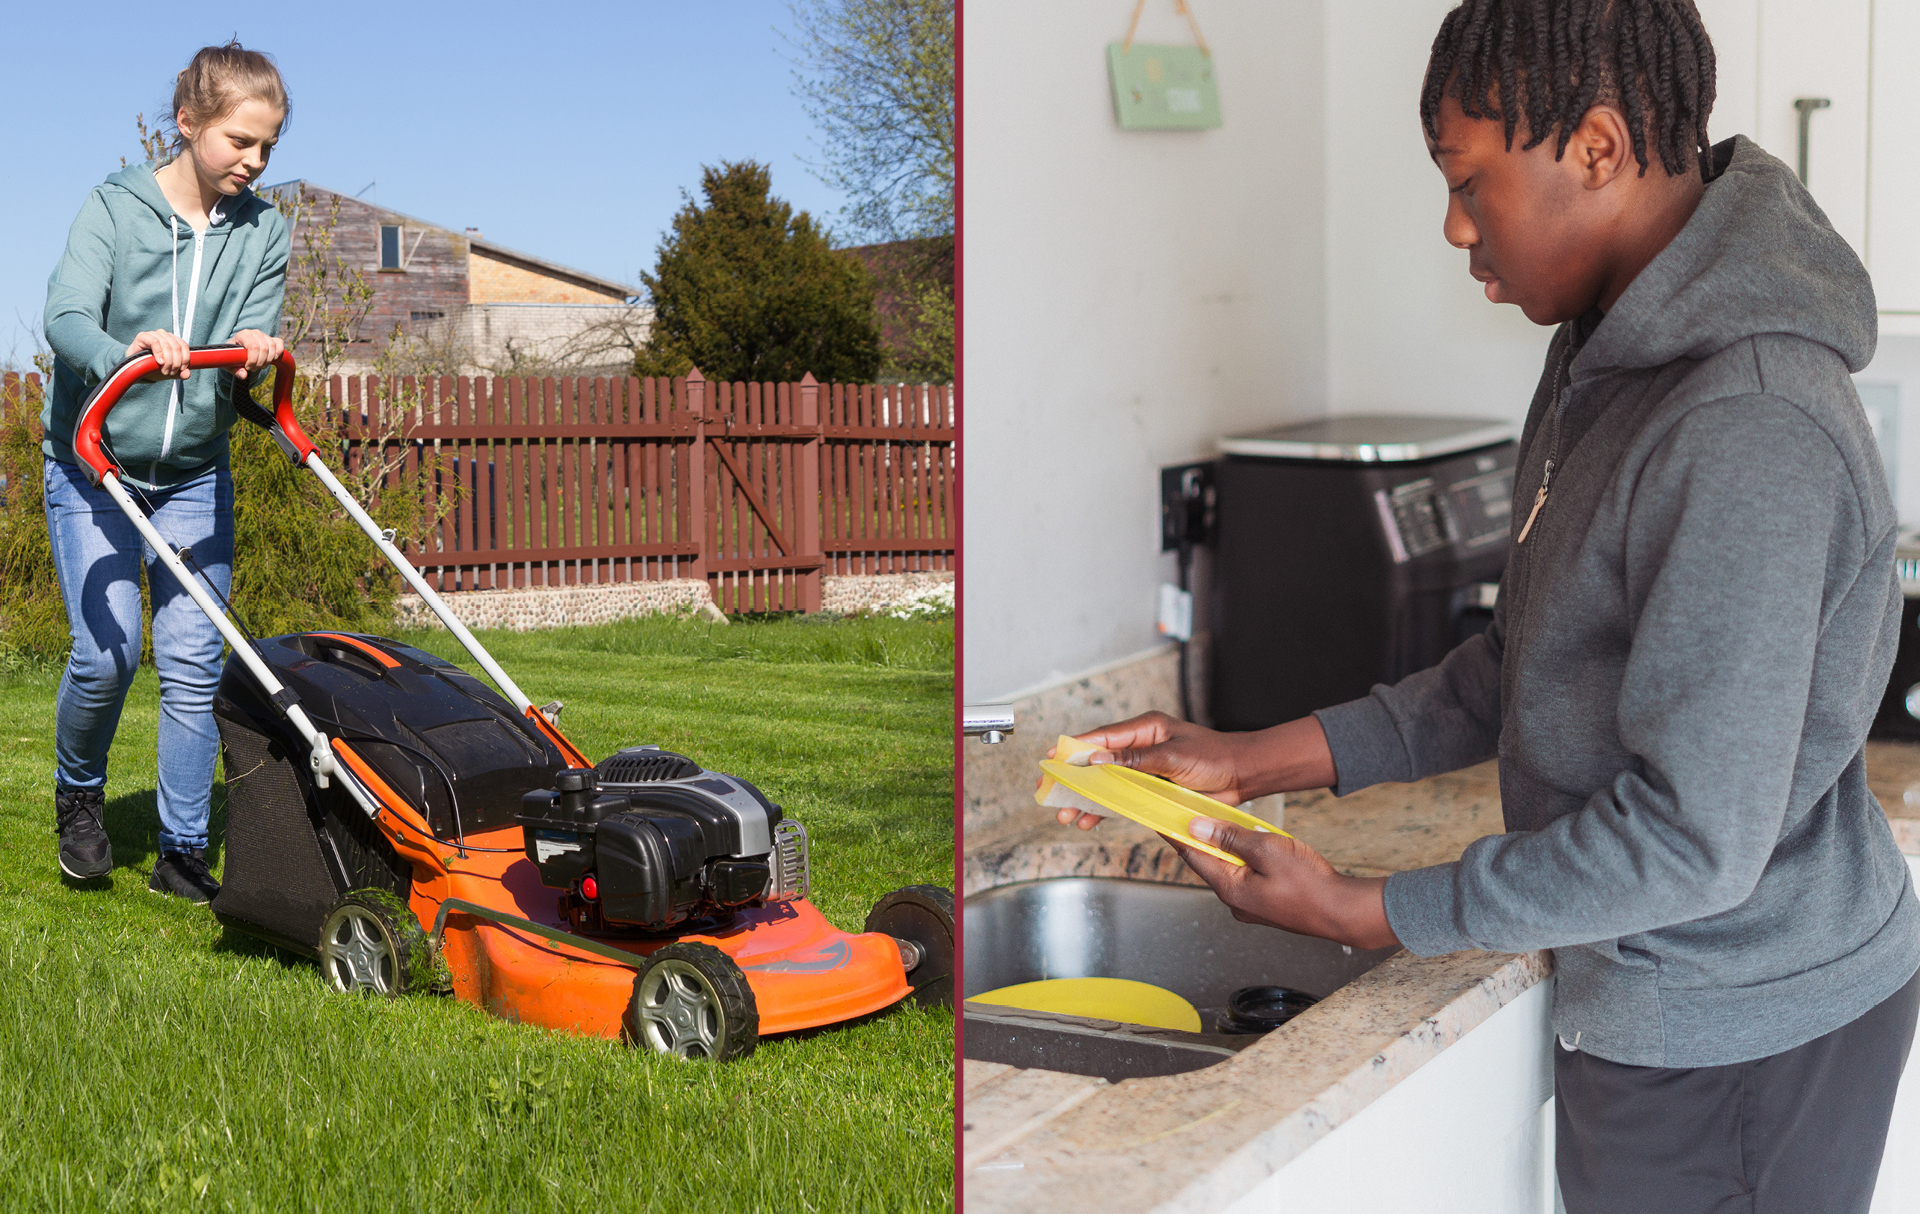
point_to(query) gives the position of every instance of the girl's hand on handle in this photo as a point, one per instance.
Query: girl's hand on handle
(1229, 767)
(170, 351)
(261, 350)
(1288, 885)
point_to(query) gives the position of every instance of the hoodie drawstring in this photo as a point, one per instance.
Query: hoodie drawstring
(193, 296)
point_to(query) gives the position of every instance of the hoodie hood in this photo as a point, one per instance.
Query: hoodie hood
(138, 180)
(131, 265)
(1757, 257)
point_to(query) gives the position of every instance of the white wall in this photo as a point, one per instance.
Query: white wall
(1408, 331)
(1129, 296)
(1896, 363)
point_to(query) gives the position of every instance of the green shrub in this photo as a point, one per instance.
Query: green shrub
(300, 563)
(33, 620)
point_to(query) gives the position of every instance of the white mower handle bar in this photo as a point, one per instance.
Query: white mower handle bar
(281, 423)
(419, 584)
(319, 751)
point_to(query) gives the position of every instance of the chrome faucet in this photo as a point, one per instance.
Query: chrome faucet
(989, 722)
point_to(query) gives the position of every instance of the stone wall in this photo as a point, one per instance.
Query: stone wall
(587, 338)
(874, 592)
(563, 606)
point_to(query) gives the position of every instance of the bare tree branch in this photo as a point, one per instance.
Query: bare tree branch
(878, 81)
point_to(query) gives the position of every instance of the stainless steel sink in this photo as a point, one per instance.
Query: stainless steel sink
(1178, 937)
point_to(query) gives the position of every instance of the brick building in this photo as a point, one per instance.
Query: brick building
(471, 302)
(899, 269)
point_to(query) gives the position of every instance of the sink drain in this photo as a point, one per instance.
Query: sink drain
(1261, 1009)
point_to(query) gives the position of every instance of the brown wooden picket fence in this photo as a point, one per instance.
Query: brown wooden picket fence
(760, 488)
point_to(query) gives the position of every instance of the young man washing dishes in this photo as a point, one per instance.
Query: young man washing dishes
(1695, 626)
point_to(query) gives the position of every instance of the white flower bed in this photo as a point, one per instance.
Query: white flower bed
(930, 601)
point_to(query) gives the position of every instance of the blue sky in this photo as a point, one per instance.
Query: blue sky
(566, 130)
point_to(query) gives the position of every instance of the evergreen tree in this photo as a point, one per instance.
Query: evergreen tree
(746, 289)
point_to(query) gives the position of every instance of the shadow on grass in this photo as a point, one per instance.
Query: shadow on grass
(235, 943)
(133, 827)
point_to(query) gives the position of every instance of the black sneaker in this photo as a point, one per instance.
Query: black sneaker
(184, 874)
(78, 817)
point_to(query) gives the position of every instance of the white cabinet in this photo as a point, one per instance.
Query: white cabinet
(1898, 1190)
(1893, 183)
(1863, 150)
(1471, 1132)
(1820, 49)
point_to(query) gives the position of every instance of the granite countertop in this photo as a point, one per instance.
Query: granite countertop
(1045, 1140)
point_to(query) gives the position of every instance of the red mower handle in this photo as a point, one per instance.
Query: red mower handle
(280, 423)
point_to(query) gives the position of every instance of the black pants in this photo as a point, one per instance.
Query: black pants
(1800, 1132)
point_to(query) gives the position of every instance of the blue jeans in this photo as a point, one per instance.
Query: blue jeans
(98, 555)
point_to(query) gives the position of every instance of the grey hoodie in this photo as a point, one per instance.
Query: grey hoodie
(129, 268)
(1685, 657)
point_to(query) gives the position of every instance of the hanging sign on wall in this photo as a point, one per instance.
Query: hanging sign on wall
(1163, 88)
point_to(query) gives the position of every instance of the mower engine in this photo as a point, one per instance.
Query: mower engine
(649, 840)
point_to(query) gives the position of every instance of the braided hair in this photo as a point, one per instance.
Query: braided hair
(1550, 61)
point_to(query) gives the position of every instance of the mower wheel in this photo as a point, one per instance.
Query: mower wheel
(690, 1000)
(372, 942)
(921, 915)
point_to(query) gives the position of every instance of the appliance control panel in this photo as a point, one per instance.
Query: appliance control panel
(1465, 502)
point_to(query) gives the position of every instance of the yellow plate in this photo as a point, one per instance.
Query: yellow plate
(1154, 803)
(1119, 999)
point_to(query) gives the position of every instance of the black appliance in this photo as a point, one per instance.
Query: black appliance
(1351, 551)
(1899, 715)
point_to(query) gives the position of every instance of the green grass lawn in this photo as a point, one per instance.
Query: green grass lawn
(150, 1061)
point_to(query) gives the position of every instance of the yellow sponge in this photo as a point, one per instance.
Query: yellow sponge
(1054, 795)
(1119, 999)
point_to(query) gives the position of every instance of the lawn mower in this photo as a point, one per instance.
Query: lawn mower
(393, 816)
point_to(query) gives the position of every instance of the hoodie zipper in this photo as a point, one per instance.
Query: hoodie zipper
(1563, 396)
(193, 296)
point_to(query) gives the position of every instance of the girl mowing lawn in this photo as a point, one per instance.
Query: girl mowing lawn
(162, 257)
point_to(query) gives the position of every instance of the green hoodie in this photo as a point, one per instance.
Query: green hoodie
(133, 265)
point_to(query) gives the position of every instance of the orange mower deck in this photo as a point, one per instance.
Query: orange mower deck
(804, 971)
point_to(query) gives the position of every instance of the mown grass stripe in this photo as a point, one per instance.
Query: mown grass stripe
(150, 1061)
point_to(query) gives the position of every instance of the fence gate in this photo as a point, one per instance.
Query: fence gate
(761, 534)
